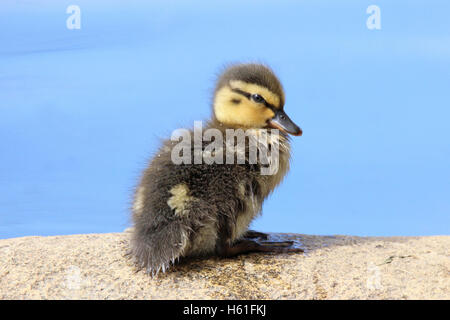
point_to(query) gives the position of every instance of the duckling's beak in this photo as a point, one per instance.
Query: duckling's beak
(282, 122)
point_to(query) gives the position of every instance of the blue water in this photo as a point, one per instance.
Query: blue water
(81, 111)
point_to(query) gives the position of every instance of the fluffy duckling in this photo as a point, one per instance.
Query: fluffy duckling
(196, 208)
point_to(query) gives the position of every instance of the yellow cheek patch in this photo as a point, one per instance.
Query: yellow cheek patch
(246, 113)
(252, 88)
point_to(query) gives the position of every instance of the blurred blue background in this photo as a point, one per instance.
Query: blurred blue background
(81, 111)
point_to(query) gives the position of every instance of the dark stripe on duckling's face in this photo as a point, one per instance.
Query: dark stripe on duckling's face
(249, 105)
(280, 120)
(256, 98)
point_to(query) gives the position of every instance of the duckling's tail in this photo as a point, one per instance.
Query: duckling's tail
(155, 248)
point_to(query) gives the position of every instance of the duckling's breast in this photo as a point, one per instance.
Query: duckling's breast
(254, 191)
(249, 193)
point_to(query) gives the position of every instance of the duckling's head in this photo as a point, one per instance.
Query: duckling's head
(251, 96)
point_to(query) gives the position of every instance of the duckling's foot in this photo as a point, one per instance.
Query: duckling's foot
(252, 234)
(247, 246)
(278, 246)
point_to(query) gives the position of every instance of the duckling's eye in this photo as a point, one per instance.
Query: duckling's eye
(257, 98)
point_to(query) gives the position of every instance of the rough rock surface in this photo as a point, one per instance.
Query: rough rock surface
(94, 266)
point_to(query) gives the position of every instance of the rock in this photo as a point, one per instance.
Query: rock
(95, 266)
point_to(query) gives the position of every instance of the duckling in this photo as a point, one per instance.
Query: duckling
(191, 208)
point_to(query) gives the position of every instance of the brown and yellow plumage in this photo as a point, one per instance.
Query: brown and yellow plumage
(196, 209)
